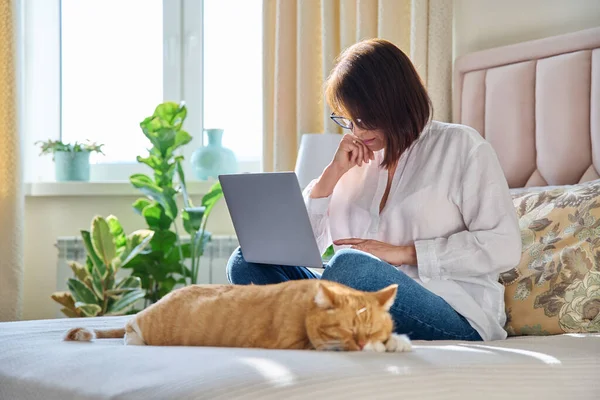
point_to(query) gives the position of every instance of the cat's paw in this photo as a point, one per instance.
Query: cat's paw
(376, 347)
(398, 343)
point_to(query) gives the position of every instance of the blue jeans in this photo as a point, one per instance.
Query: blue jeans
(417, 312)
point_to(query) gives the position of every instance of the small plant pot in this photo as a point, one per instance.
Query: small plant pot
(72, 166)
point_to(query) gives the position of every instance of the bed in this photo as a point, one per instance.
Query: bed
(538, 103)
(35, 364)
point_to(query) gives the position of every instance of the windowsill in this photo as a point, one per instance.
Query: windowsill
(114, 188)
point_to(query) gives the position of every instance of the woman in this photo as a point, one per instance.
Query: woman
(410, 201)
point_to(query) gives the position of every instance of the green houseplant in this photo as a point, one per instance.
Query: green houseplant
(71, 160)
(163, 265)
(95, 289)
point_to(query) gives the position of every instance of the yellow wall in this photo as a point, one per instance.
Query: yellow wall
(47, 218)
(484, 24)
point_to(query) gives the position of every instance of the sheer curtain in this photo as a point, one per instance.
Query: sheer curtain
(11, 193)
(302, 39)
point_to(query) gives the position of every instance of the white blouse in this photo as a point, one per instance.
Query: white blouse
(450, 198)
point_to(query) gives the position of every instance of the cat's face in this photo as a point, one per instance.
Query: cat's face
(350, 320)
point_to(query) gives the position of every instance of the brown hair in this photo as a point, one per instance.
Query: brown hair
(374, 81)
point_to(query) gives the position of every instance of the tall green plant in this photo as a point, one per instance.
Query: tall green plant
(95, 289)
(163, 266)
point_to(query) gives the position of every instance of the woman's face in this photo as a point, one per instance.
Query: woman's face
(374, 139)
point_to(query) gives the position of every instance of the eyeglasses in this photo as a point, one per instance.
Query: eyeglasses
(344, 122)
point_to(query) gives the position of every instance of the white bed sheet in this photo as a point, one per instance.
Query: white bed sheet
(36, 364)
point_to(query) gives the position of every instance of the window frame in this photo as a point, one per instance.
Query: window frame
(39, 41)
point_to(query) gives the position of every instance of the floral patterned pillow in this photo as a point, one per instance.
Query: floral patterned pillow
(556, 286)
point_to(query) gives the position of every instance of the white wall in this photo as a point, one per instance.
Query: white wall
(484, 24)
(48, 217)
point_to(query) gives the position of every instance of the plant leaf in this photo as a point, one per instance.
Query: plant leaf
(136, 243)
(151, 190)
(140, 204)
(81, 292)
(181, 139)
(97, 284)
(102, 240)
(163, 241)
(116, 230)
(89, 310)
(79, 271)
(126, 285)
(186, 249)
(163, 177)
(89, 265)
(116, 264)
(210, 199)
(131, 282)
(180, 115)
(69, 313)
(117, 293)
(97, 262)
(152, 161)
(65, 299)
(140, 179)
(139, 262)
(149, 126)
(192, 219)
(128, 299)
(166, 286)
(166, 140)
(172, 113)
(156, 218)
(169, 204)
(328, 253)
(109, 282)
(172, 267)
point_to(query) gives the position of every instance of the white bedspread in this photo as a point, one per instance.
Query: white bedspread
(36, 364)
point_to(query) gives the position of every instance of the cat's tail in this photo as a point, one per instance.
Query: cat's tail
(87, 335)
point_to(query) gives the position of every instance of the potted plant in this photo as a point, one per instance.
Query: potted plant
(72, 161)
(95, 289)
(169, 260)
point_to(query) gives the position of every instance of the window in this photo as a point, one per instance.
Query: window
(108, 63)
(111, 72)
(233, 74)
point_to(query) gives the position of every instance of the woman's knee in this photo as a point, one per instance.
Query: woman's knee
(237, 267)
(347, 264)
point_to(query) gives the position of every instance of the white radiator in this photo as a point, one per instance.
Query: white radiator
(212, 262)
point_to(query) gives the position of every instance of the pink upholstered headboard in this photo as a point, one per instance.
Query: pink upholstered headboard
(538, 104)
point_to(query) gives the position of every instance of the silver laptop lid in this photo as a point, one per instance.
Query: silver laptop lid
(270, 218)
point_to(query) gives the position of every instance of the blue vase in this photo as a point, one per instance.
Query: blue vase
(213, 160)
(72, 166)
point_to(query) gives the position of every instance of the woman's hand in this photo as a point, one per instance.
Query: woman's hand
(394, 255)
(351, 152)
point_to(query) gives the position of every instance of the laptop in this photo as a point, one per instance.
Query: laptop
(270, 218)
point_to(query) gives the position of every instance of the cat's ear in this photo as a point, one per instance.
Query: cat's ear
(386, 296)
(324, 298)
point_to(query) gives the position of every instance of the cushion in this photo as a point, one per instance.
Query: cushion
(556, 286)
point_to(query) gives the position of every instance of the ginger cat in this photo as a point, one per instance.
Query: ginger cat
(305, 314)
